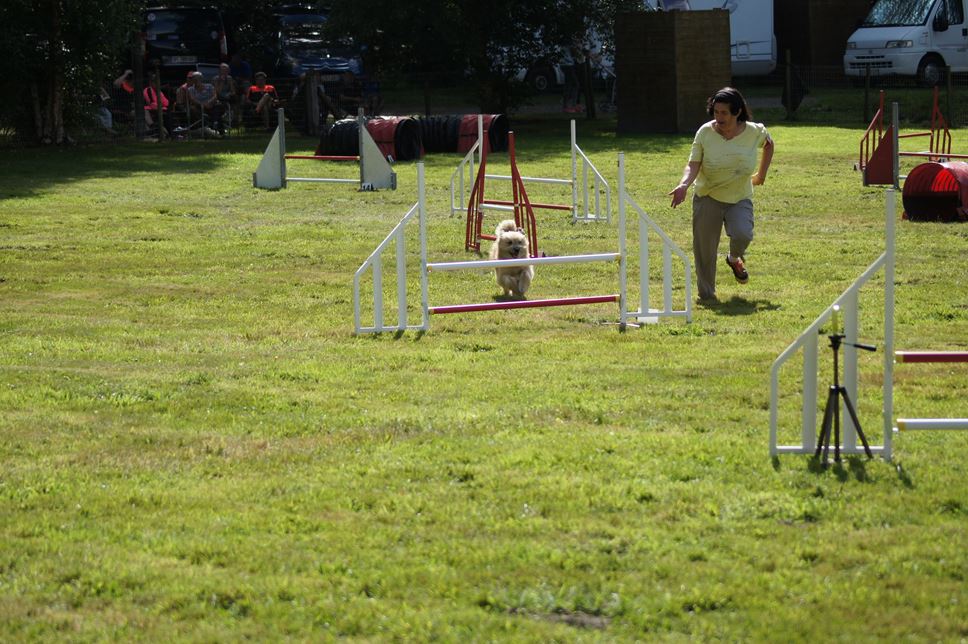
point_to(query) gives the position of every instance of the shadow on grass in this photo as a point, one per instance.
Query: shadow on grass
(738, 306)
(34, 170)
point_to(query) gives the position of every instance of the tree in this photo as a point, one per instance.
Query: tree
(56, 52)
(487, 42)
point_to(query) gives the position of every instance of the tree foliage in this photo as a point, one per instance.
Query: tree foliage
(56, 53)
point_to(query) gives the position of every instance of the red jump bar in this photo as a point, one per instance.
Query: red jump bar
(523, 304)
(321, 158)
(932, 356)
(546, 206)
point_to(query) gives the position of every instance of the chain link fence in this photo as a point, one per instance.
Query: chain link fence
(806, 94)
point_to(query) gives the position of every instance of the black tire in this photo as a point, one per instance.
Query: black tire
(931, 71)
(541, 79)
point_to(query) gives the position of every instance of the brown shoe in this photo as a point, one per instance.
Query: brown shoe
(739, 269)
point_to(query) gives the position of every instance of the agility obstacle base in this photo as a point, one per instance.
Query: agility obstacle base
(880, 149)
(395, 242)
(519, 206)
(375, 171)
(808, 342)
(590, 195)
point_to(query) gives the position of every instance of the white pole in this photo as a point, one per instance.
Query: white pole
(895, 141)
(282, 144)
(422, 219)
(378, 292)
(623, 266)
(889, 235)
(851, 332)
(401, 281)
(574, 173)
(361, 123)
(524, 261)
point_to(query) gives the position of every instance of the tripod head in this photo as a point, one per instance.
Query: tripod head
(837, 338)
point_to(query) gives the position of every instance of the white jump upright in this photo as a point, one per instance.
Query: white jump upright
(809, 341)
(396, 240)
(591, 196)
(375, 171)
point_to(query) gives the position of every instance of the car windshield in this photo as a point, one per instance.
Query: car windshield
(303, 34)
(187, 25)
(898, 13)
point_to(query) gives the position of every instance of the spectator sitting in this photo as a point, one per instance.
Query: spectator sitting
(227, 91)
(123, 96)
(152, 94)
(262, 98)
(181, 95)
(201, 95)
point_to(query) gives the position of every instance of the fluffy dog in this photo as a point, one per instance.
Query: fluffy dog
(512, 243)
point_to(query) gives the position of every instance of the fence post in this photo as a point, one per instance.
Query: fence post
(312, 102)
(947, 98)
(867, 91)
(788, 80)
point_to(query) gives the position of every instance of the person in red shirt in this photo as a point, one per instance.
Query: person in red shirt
(261, 97)
(152, 94)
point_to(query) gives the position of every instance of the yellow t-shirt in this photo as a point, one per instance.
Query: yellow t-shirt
(727, 166)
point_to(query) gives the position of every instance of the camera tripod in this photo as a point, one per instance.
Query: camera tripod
(831, 413)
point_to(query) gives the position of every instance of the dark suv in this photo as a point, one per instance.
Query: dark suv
(179, 38)
(302, 45)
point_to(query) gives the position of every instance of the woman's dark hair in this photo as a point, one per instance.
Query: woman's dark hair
(732, 97)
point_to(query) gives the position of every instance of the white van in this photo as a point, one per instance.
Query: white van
(751, 39)
(910, 38)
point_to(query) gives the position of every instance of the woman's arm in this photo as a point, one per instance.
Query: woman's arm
(689, 174)
(760, 177)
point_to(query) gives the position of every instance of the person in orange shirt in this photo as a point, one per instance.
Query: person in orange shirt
(261, 97)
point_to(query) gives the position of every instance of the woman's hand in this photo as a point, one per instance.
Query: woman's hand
(758, 179)
(679, 194)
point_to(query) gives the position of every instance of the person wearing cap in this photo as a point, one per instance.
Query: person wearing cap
(202, 95)
(262, 97)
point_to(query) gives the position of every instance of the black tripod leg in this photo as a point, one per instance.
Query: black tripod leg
(824, 429)
(828, 416)
(836, 401)
(853, 417)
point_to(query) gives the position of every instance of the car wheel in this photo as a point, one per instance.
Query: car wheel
(931, 71)
(540, 79)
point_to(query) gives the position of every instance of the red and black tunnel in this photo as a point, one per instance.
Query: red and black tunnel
(936, 192)
(458, 132)
(398, 137)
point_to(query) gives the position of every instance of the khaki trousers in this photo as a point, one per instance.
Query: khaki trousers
(708, 218)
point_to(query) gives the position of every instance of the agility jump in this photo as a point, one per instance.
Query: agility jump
(590, 194)
(396, 241)
(807, 343)
(375, 171)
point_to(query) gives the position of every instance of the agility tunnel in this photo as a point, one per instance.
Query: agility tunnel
(937, 192)
(458, 132)
(397, 137)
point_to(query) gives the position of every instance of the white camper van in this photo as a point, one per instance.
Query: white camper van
(752, 43)
(910, 38)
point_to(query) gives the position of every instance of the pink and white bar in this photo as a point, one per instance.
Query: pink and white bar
(524, 261)
(932, 356)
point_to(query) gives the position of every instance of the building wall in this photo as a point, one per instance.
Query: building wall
(667, 65)
(816, 31)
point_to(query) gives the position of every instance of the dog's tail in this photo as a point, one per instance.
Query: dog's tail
(506, 226)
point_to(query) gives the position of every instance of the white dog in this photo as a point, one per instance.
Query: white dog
(512, 243)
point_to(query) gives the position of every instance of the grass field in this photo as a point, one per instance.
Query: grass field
(196, 447)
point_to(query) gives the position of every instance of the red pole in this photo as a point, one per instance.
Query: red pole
(523, 304)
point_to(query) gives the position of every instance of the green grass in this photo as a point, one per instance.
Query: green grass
(196, 447)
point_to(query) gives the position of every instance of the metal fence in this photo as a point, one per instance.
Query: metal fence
(808, 94)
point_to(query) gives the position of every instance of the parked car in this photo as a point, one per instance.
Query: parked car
(917, 39)
(177, 39)
(303, 45)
